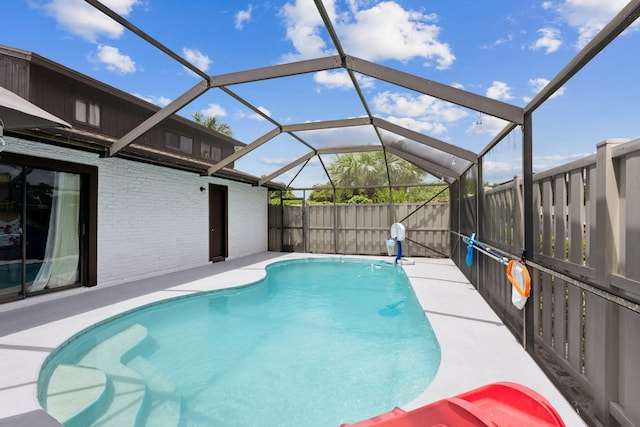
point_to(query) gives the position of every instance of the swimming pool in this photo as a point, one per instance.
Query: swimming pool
(318, 342)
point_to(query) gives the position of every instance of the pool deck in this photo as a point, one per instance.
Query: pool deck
(477, 348)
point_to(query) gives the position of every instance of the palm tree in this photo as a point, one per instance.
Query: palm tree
(365, 169)
(356, 169)
(212, 123)
(403, 172)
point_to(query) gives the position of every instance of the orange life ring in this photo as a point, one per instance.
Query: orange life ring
(518, 275)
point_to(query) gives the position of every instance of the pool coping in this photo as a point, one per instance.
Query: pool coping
(468, 331)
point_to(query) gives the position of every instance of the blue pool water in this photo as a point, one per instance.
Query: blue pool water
(318, 342)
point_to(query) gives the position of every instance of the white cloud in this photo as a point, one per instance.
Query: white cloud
(486, 125)
(197, 58)
(242, 17)
(588, 17)
(419, 125)
(265, 111)
(509, 168)
(365, 82)
(341, 137)
(303, 24)
(503, 170)
(82, 19)
(538, 84)
(500, 91)
(114, 60)
(505, 40)
(421, 113)
(122, 7)
(333, 79)
(254, 116)
(384, 31)
(278, 161)
(550, 40)
(341, 80)
(160, 101)
(214, 110)
(387, 31)
(404, 104)
(542, 163)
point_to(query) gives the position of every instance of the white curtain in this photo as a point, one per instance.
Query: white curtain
(62, 251)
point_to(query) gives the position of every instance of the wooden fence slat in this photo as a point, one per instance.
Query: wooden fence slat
(547, 306)
(559, 286)
(575, 295)
(547, 205)
(363, 229)
(535, 276)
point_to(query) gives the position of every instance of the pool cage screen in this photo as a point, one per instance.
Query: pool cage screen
(582, 320)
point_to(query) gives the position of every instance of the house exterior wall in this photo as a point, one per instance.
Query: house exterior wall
(56, 89)
(154, 220)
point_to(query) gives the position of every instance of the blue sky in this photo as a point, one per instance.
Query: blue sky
(503, 49)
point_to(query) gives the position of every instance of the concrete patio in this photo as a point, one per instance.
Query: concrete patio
(477, 348)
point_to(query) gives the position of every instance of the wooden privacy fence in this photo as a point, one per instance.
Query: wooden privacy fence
(586, 226)
(359, 229)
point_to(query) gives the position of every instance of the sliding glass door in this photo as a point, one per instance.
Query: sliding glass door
(10, 231)
(41, 224)
(52, 229)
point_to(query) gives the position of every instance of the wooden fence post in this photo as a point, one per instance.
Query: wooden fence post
(602, 318)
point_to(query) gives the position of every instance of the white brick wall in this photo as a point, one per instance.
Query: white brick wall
(154, 220)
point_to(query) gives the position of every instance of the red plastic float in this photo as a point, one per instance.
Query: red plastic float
(495, 405)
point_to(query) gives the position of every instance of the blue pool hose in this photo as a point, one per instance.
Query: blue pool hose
(482, 247)
(469, 258)
(399, 256)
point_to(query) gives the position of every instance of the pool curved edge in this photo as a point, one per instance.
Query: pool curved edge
(22, 395)
(32, 333)
(83, 330)
(46, 368)
(44, 372)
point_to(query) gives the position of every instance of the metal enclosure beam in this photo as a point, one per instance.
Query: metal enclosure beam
(275, 71)
(527, 195)
(617, 25)
(318, 152)
(454, 95)
(245, 150)
(499, 137)
(248, 105)
(426, 140)
(257, 74)
(353, 149)
(329, 124)
(159, 116)
(432, 168)
(286, 168)
(329, 26)
(137, 31)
